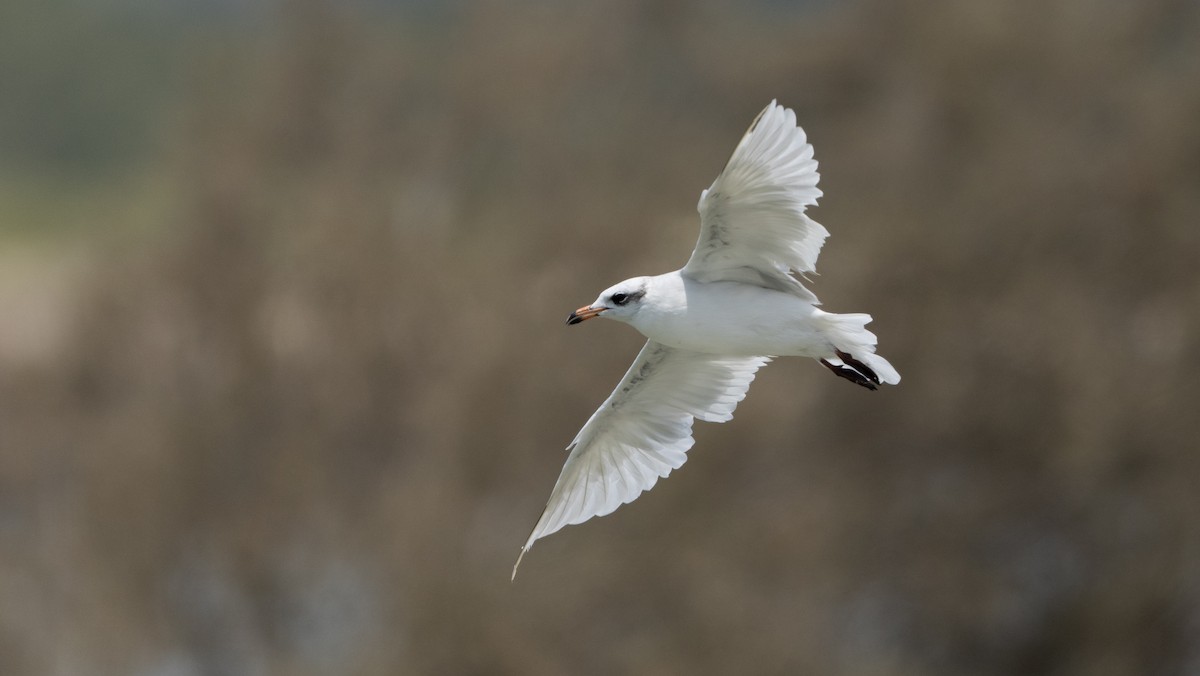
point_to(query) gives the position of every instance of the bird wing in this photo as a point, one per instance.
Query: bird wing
(642, 431)
(752, 223)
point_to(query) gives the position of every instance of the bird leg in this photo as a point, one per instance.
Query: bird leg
(849, 372)
(859, 366)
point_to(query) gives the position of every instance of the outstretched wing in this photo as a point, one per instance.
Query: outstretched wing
(752, 223)
(642, 431)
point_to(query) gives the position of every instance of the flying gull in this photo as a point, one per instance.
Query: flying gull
(711, 325)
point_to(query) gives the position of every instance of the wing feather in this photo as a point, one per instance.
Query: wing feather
(753, 228)
(643, 431)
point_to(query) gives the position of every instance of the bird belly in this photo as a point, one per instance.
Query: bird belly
(736, 319)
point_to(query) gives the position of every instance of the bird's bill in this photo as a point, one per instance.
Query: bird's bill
(584, 313)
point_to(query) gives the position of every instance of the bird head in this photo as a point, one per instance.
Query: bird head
(620, 302)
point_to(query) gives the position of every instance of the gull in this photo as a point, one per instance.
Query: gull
(711, 325)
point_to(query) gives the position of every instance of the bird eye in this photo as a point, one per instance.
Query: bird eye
(620, 298)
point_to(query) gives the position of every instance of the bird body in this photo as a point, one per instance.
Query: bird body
(728, 318)
(711, 325)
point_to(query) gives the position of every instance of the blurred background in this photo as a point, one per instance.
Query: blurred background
(284, 381)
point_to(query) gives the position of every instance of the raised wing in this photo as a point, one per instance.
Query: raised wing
(642, 431)
(752, 223)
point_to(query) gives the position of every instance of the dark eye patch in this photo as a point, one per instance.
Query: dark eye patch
(620, 298)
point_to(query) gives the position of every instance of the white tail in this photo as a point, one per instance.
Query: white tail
(849, 334)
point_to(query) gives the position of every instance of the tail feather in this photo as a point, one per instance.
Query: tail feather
(882, 367)
(849, 334)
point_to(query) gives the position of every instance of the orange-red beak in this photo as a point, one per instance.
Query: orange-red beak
(584, 313)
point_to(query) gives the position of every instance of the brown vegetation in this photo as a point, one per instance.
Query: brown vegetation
(304, 426)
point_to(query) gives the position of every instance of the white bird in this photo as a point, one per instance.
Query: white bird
(711, 325)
